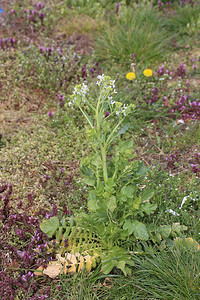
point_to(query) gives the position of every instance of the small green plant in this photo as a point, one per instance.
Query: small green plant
(118, 204)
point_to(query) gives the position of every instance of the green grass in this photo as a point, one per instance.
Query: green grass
(169, 275)
(185, 22)
(135, 30)
(33, 145)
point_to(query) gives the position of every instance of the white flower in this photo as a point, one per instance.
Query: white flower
(180, 121)
(112, 102)
(171, 211)
(183, 201)
(100, 79)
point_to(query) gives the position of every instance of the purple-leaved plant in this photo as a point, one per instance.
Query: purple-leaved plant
(6, 43)
(172, 159)
(23, 247)
(181, 71)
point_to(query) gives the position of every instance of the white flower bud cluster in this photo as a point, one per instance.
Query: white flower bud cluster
(122, 110)
(79, 94)
(108, 87)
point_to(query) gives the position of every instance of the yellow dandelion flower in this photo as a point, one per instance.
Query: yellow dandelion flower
(130, 76)
(148, 72)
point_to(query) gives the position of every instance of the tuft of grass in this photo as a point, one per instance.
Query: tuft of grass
(94, 286)
(136, 30)
(168, 275)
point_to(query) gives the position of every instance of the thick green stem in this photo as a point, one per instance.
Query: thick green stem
(116, 170)
(103, 155)
(102, 148)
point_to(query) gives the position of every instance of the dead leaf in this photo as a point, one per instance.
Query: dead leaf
(60, 258)
(81, 263)
(65, 267)
(39, 271)
(53, 269)
(72, 270)
(71, 258)
(88, 261)
(107, 282)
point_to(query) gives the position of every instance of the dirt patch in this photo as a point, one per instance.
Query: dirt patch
(81, 42)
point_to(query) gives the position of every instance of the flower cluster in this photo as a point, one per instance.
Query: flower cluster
(80, 94)
(181, 71)
(61, 100)
(185, 2)
(32, 15)
(117, 8)
(130, 76)
(148, 72)
(123, 109)
(160, 3)
(107, 88)
(188, 109)
(40, 5)
(7, 43)
(162, 71)
(196, 164)
(154, 97)
(46, 51)
(171, 159)
(105, 81)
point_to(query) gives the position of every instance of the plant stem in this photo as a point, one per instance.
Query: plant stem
(103, 155)
(109, 139)
(102, 148)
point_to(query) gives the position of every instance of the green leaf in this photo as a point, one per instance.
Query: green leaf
(95, 160)
(89, 180)
(99, 190)
(128, 226)
(121, 265)
(92, 205)
(63, 222)
(128, 191)
(116, 257)
(140, 230)
(146, 195)
(122, 198)
(178, 228)
(136, 203)
(85, 170)
(149, 208)
(88, 118)
(111, 203)
(50, 226)
(59, 233)
(110, 183)
(142, 170)
(165, 231)
(107, 267)
(66, 234)
(123, 129)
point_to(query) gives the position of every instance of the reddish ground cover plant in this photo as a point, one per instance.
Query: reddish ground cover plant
(23, 249)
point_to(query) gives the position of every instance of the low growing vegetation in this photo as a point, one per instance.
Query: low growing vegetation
(99, 150)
